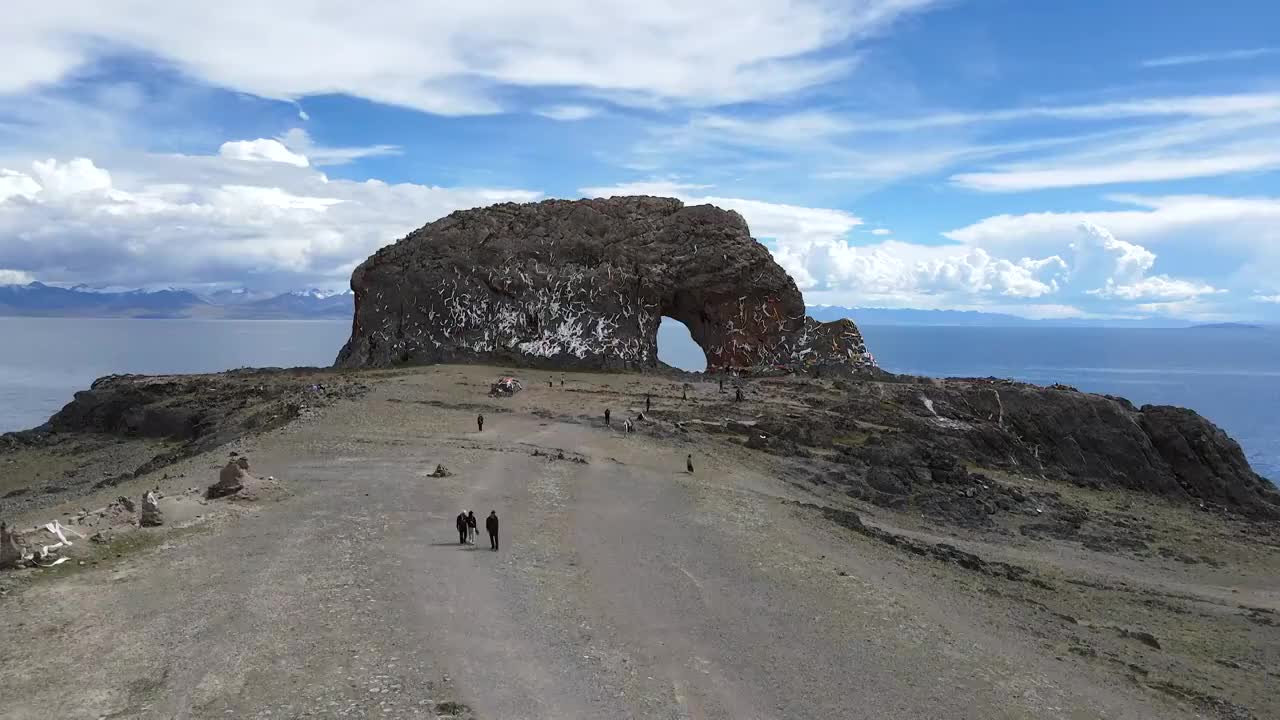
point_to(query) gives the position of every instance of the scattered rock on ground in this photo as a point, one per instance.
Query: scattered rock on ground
(151, 515)
(11, 553)
(231, 479)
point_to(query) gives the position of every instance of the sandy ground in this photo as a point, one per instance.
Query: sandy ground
(625, 586)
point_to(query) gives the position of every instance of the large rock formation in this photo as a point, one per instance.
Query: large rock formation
(585, 284)
(898, 433)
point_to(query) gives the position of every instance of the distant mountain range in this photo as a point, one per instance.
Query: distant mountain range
(908, 316)
(41, 300)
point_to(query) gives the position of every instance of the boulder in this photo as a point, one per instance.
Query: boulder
(584, 284)
(441, 471)
(151, 515)
(11, 547)
(231, 479)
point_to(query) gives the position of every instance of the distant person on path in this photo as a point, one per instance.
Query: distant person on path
(684, 393)
(688, 463)
(491, 524)
(648, 403)
(480, 423)
(722, 384)
(606, 418)
(462, 528)
(472, 527)
(737, 395)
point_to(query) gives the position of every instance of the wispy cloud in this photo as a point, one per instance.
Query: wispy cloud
(459, 63)
(568, 113)
(1131, 171)
(1223, 56)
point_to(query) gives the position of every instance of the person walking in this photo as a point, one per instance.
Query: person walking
(491, 524)
(722, 384)
(462, 528)
(684, 393)
(606, 418)
(737, 394)
(688, 463)
(472, 528)
(648, 403)
(480, 422)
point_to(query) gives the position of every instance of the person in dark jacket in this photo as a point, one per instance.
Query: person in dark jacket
(472, 527)
(491, 524)
(648, 403)
(480, 423)
(606, 418)
(688, 463)
(462, 528)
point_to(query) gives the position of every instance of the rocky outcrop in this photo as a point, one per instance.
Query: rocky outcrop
(231, 479)
(898, 435)
(584, 284)
(151, 515)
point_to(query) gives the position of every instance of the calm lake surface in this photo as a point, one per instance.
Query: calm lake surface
(1232, 375)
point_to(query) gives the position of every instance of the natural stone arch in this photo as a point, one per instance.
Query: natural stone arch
(585, 284)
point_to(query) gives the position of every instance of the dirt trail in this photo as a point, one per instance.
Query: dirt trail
(625, 588)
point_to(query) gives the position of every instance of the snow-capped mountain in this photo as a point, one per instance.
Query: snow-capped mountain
(41, 300)
(48, 300)
(237, 296)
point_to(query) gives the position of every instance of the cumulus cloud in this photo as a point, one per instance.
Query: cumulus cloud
(451, 58)
(206, 219)
(881, 231)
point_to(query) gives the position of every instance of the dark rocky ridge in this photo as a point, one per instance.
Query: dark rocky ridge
(584, 284)
(899, 435)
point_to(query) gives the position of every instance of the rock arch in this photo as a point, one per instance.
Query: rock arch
(585, 284)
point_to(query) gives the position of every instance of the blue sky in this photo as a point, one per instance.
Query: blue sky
(1117, 159)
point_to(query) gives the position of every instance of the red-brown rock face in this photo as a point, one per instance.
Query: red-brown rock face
(585, 284)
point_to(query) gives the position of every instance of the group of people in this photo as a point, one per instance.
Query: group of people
(467, 528)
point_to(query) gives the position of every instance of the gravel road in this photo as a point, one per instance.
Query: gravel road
(625, 588)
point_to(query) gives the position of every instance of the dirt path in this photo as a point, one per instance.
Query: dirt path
(625, 588)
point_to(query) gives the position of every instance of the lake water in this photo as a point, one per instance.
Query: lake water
(1232, 376)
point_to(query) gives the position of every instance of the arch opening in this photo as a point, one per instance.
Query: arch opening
(677, 348)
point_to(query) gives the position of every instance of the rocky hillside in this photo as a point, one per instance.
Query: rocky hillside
(584, 284)
(897, 436)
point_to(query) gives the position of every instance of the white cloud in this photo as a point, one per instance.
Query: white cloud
(450, 58)
(881, 231)
(1015, 179)
(1156, 287)
(14, 277)
(299, 141)
(569, 112)
(207, 219)
(1173, 60)
(1274, 299)
(261, 150)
